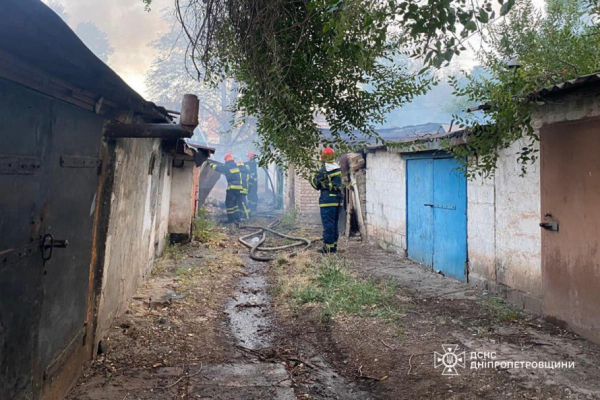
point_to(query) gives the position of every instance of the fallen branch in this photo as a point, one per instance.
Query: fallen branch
(386, 345)
(410, 364)
(309, 365)
(370, 377)
(181, 378)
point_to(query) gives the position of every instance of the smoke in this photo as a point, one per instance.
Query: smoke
(128, 28)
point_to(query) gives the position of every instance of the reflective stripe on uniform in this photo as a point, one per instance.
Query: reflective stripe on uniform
(234, 187)
(336, 173)
(329, 205)
(234, 170)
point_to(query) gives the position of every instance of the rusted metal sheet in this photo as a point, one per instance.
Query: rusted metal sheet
(570, 223)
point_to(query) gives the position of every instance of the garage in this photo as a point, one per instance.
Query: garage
(436, 206)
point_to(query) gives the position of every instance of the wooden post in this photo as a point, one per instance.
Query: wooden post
(163, 131)
(358, 206)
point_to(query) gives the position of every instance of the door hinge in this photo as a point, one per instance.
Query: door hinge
(19, 165)
(80, 162)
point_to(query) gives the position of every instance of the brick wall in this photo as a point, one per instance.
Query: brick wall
(299, 194)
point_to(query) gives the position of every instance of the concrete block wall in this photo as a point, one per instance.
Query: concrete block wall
(386, 200)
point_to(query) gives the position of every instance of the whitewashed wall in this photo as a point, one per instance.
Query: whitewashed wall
(504, 239)
(386, 200)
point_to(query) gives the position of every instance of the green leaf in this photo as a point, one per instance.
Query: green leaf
(471, 26)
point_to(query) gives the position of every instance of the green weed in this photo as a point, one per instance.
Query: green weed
(173, 251)
(205, 229)
(289, 219)
(337, 291)
(501, 311)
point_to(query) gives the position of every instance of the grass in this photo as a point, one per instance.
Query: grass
(328, 283)
(173, 251)
(205, 230)
(500, 311)
(289, 220)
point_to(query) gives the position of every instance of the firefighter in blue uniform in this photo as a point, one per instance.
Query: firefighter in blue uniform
(329, 181)
(253, 187)
(242, 205)
(234, 185)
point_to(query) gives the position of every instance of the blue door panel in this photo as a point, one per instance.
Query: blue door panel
(419, 177)
(449, 218)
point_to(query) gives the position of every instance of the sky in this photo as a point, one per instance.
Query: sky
(130, 29)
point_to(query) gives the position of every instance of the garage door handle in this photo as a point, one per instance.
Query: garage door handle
(49, 243)
(428, 204)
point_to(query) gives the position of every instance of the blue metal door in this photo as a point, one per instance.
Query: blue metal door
(449, 218)
(419, 174)
(437, 214)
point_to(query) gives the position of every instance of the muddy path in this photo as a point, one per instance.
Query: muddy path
(213, 324)
(202, 327)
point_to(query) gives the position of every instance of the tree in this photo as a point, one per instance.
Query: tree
(547, 49)
(59, 9)
(95, 39)
(295, 59)
(171, 75)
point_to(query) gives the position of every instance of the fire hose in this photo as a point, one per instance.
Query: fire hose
(263, 232)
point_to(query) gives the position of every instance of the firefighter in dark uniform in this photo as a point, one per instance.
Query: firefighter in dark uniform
(242, 205)
(234, 185)
(253, 188)
(329, 181)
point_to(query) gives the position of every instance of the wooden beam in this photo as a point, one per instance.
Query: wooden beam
(163, 131)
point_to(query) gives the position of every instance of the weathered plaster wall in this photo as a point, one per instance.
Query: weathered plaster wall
(164, 204)
(481, 229)
(518, 236)
(181, 211)
(386, 200)
(132, 233)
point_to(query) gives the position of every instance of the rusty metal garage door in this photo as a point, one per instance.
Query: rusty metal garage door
(48, 178)
(570, 186)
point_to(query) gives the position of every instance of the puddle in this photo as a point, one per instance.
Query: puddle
(247, 309)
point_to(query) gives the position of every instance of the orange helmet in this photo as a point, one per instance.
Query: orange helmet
(240, 163)
(228, 157)
(327, 154)
(250, 155)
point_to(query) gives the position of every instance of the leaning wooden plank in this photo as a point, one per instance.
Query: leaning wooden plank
(208, 180)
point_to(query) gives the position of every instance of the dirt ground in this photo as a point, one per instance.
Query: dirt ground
(210, 324)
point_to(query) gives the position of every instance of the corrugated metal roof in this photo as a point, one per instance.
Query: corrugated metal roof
(571, 84)
(430, 140)
(32, 32)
